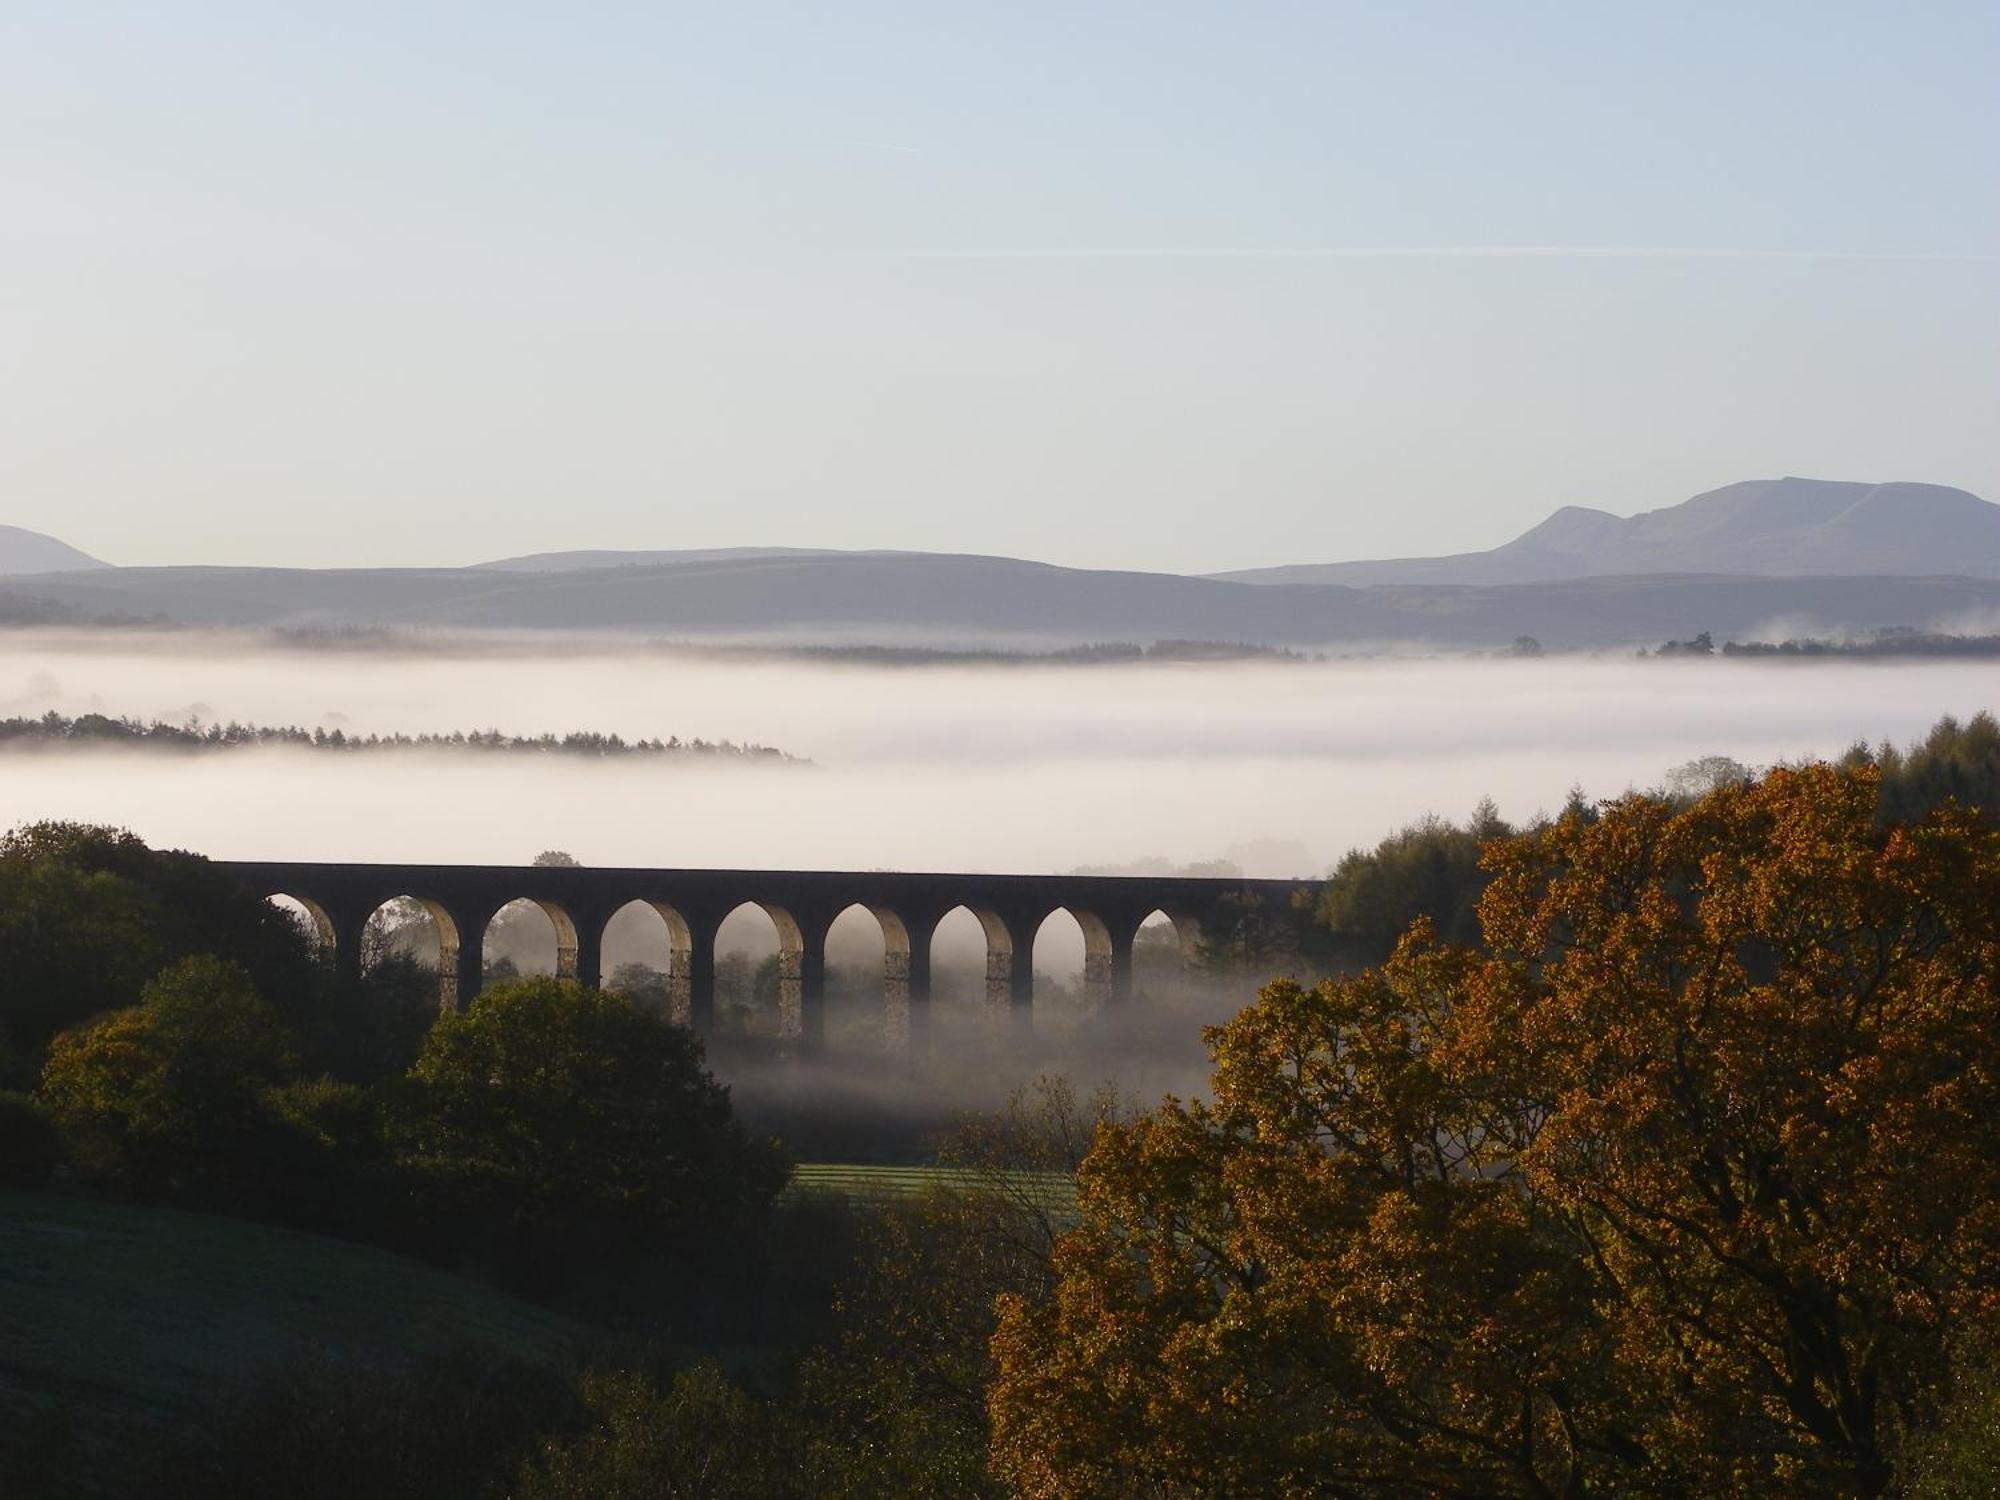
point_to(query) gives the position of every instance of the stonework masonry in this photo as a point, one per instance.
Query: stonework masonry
(802, 904)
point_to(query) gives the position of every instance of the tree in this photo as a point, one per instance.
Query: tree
(169, 1094)
(89, 915)
(1775, 1032)
(545, 1102)
(1429, 869)
(1959, 1457)
(1685, 1185)
(1698, 777)
(895, 1404)
(642, 984)
(701, 1437)
(1243, 933)
(1955, 760)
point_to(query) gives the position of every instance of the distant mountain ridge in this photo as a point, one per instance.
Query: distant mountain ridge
(25, 552)
(1768, 528)
(591, 559)
(952, 601)
(1749, 561)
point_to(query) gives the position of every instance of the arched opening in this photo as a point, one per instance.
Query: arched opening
(648, 954)
(528, 938)
(1062, 999)
(1174, 995)
(408, 936)
(1074, 978)
(759, 963)
(310, 918)
(1162, 958)
(868, 982)
(972, 970)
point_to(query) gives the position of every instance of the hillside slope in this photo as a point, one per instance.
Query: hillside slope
(24, 552)
(125, 1320)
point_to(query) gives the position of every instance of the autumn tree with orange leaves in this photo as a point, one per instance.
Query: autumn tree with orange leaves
(1684, 1184)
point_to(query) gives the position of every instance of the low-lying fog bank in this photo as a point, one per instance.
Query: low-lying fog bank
(1019, 768)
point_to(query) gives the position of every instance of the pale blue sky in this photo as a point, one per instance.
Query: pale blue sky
(430, 283)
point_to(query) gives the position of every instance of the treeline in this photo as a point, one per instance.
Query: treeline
(33, 609)
(385, 638)
(1433, 869)
(1955, 761)
(99, 729)
(1894, 642)
(1094, 654)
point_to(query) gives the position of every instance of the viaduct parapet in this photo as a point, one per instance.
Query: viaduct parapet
(802, 905)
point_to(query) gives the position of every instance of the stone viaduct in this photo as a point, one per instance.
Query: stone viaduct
(462, 899)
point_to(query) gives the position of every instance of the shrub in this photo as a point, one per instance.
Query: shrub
(31, 1143)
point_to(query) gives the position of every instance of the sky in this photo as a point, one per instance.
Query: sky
(1174, 286)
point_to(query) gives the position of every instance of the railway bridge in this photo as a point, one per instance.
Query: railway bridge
(802, 905)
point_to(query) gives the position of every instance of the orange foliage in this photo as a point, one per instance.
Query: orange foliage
(1680, 1186)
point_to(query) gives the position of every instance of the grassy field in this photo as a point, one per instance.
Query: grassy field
(116, 1319)
(1055, 1191)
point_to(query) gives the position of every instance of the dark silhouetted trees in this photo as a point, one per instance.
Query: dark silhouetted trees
(89, 915)
(545, 1104)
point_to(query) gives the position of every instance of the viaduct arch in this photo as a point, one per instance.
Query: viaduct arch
(461, 899)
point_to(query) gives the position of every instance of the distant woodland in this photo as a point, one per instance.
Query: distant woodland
(100, 729)
(1881, 644)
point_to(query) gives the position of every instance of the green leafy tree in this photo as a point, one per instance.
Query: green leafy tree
(1241, 934)
(170, 1093)
(1956, 760)
(1959, 1457)
(642, 984)
(1429, 870)
(545, 1102)
(88, 915)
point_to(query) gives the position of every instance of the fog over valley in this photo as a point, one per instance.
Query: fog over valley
(1277, 766)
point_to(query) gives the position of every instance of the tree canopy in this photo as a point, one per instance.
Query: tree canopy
(173, 1086)
(1683, 1183)
(544, 1099)
(89, 915)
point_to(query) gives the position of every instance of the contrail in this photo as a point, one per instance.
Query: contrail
(1446, 252)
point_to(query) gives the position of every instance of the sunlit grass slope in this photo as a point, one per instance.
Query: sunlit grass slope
(116, 1320)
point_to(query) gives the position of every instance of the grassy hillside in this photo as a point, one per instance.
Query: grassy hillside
(116, 1320)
